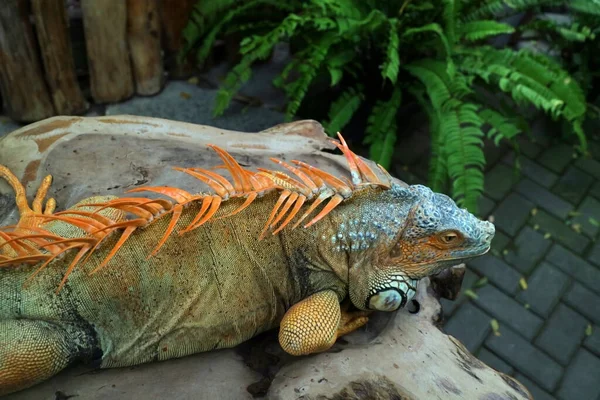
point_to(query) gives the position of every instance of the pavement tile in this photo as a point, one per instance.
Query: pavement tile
(559, 231)
(589, 216)
(544, 289)
(575, 266)
(528, 148)
(562, 334)
(526, 358)
(526, 250)
(593, 256)
(557, 157)
(573, 185)
(497, 272)
(537, 392)
(592, 342)
(499, 181)
(499, 243)
(595, 190)
(493, 153)
(508, 311)
(494, 361)
(485, 205)
(590, 166)
(544, 198)
(582, 378)
(593, 144)
(536, 172)
(512, 213)
(470, 325)
(584, 301)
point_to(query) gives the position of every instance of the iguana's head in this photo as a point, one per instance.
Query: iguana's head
(412, 233)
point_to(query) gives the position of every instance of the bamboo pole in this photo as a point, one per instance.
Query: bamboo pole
(55, 45)
(24, 91)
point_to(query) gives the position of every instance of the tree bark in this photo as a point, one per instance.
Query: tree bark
(55, 44)
(143, 35)
(24, 91)
(174, 19)
(105, 26)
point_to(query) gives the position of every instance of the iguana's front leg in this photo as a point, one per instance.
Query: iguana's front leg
(32, 351)
(315, 323)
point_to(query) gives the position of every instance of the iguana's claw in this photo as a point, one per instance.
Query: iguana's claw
(30, 216)
(351, 321)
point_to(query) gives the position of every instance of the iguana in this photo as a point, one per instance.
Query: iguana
(120, 281)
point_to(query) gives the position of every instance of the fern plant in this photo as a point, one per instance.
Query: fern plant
(377, 54)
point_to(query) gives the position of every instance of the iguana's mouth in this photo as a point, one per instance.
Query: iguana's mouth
(461, 257)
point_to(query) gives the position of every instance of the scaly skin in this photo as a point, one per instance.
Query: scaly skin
(218, 285)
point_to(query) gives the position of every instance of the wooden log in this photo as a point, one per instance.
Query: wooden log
(143, 35)
(174, 19)
(24, 91)
(105, 26)
(55, 44)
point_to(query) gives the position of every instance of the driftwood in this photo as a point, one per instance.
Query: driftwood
(173, 21)
(143, 35)
(400, 355)
(24, 92)
(55, 46)
(105, 25)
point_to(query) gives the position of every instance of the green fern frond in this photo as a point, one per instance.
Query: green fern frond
(458, 130)
(342, 110)
(437, 29)
(438, 169)
(254, 48)
(336, 8)
(574, 32)
(451, 10)
(493, 9)
(381, 129)
(337, 63)
(351, 42)
(391, 65)
(464, 148)
(195, 29)
(436, 82)
(590, 7)
(483, 29)
(312, 59)
(531, 79)
(372, 22)
(500, 126)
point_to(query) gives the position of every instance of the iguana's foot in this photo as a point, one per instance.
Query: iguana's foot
(33, 351)
(30, 217)
(314, 324)
(351, 320)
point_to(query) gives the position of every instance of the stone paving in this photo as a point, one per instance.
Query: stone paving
(541, 281)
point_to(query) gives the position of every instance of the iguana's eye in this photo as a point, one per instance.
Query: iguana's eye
(449, 237)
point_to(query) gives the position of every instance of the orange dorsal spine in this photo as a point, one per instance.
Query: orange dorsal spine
(28, 242)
